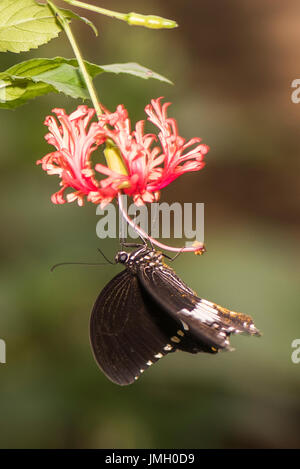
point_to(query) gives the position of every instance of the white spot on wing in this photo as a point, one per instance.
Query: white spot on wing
(185, 326)
(209, 303)
(203, 313)
(175, 339)
(168, 347)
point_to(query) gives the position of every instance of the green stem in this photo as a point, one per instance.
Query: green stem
(88, 81)
(103, 11)
(136, 19)
(112, 153)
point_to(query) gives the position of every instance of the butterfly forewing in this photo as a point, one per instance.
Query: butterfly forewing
(200, 319)
(128, 330)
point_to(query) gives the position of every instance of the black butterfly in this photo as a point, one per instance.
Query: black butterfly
(146, 312)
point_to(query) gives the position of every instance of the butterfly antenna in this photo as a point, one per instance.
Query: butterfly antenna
(77, 263)
(106, 258)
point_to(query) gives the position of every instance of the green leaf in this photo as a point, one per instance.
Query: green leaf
(37, 77)
(14, 93)
(71, 14)
(25, 25)
(133, 68)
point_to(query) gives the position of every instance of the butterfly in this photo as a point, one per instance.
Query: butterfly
(146, 312)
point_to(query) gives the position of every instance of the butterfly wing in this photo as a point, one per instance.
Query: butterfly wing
(205, 326)
(128, 331)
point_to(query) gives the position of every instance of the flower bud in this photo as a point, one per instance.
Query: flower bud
(115, 163)
(114, 160)
(150, 21)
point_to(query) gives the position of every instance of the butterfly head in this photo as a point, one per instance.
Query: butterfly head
(122, 257)
(139, 257)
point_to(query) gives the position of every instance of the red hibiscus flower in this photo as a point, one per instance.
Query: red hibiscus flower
(138, 164)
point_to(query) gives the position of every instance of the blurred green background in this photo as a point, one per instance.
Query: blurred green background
(233, 63)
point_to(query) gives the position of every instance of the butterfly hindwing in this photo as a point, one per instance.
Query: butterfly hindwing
(128, 331)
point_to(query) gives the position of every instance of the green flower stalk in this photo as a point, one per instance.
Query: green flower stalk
(133, 19)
